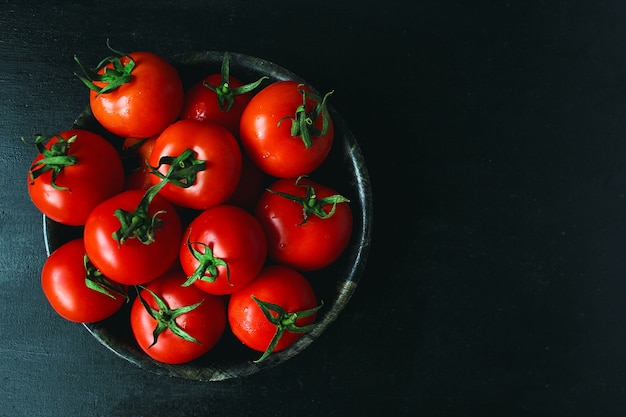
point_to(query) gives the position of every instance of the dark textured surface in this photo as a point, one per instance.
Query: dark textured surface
(495, 136)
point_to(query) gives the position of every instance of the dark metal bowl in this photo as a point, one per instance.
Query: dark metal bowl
(344, 170)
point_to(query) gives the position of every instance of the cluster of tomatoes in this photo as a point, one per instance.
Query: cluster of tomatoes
(205, 218)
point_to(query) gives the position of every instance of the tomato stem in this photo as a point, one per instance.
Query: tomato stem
(284, 321)
(166, 316)
(311, 204)
(114, 75)
(183, 168)
(207, 264)
(54, 159)
(225, 93)
(96, 281)
(303, 123)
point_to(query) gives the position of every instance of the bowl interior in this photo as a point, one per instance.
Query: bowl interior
(343, 170)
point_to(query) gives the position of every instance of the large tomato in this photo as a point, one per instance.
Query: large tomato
(175, 324)
(143, 254)
(308, 225)
(283, 137)
(75, 171)
(135, 95)
(273, 311)
(223, 249)
(69, 281)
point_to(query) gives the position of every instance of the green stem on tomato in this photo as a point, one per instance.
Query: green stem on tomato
(311, 204)
(225, 93)
(114, 75)
(303, 123)
(54, 159)
(284, 321)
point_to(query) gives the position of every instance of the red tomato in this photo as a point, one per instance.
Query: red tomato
(223, 249)
(212, 144)
(190, 321)
(132, 262)
(201, 104)
(145, 98)
(93, 173)
(304, 243)
(266, 131)
(63, 279)
(292, 310)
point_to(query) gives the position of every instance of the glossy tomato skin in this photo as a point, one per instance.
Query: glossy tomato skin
(271, 147)
(278, 285)
(200, 103)
(309, 246)
(63, 283)
(211, 143)
(235, 237)
(206, 323)
(132, 262)
(144, 106)
(96, 176)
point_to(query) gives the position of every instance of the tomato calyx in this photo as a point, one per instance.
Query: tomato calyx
(311, 204)
(284, 321)
(96, 281)
(208, 263)
(54, 159)
(303, 123)
(225, 93)
(183, 168)
(114, 75)
(166, 317)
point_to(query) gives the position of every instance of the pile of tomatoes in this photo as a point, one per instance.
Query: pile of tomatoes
(206, 219)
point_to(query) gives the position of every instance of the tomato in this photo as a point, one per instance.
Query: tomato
(63, 279)
(188, 322)
(129, 260)
(136, 95)
(267, 136)
(307, 234)
(75, 171)
(216, 154)
(290, 309)
(223, 249)
(218, 98)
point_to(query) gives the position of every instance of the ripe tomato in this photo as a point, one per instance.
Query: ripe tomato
(267, 135)
(136, 95)
(218, 98)
(63, 279)
(306, 234)
(223, 249)
(131, 261)
(214, 147)
(75, 171)
(290, 308)
(187, 322)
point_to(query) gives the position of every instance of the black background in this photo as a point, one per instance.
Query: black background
(495, 135)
